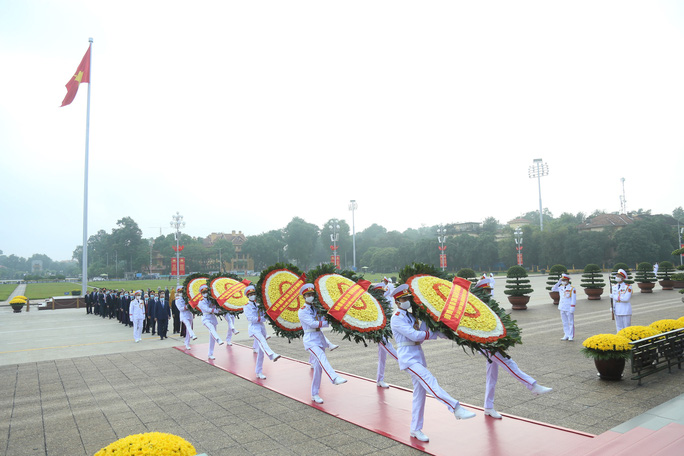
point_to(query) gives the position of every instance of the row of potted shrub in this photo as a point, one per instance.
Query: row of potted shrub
(518, 286)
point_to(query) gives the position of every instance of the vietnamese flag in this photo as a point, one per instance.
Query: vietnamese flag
(82, 75)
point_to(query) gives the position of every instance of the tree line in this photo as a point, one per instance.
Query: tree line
(488, 247)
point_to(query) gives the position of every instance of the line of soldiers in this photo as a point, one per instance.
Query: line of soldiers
(114, 304)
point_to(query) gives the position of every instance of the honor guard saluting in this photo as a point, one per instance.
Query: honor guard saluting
(622, 295)
(136, 312)
(314, 342)
(566, 305)
(209, 320)
(409, 334)
(257, 330)
(185, 316)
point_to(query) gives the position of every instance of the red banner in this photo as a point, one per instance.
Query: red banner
(182, 266)
(348, 298)
(442, 260)
(456, 303)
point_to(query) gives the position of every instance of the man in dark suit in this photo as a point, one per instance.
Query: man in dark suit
(101, 299)
(89, 308)
(162, 313)
(151, 306)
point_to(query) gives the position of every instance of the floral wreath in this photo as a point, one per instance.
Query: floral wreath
(366, 320)
(272, 286)
(233, 304)
(191, 282)
(472, 341)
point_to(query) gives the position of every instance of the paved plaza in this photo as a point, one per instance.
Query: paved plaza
(73, 383)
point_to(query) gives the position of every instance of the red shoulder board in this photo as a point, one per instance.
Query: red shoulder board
(397, 313)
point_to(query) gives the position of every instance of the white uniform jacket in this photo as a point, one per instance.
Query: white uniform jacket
(183, 309)
(136, 309)
(622, 295)
(256, 318)
(408, 335)
(208, 311)
(312, 323)
(568, 297)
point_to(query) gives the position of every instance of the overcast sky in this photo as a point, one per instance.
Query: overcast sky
(242, 115)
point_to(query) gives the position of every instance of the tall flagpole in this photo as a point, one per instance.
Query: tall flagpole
(84, 284)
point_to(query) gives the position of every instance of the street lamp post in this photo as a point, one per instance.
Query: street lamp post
(334, 237)
(441, 238)
(680, 232)
(518, 244)
(352, 207)
(177, 223)
(539, 169)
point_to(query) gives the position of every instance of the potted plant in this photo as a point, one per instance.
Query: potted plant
(468, 274)
(17, 303)
(592, 281)
(665, 275)
(609, 352)
(518, 287)
(644, 277)
(554, 276)
(678, 279)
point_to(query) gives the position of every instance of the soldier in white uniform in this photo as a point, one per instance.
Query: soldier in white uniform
(315, 343)
(185, 315)
(409, 334)
(566, 305)
(486, 284)
(622, 295)
(230, 318)
(209, 311)
(385, 347)
(257, 330)
(494, 361)
(136, 312)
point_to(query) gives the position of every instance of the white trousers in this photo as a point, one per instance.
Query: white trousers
(568, 319)
(312, 359)
(262, 347)
(137, 328)
(383, 349)
(622, 321)
(213, 337)
(424, 382)
(189, 334)
(321, 364)
(509, 366)
(231, 326)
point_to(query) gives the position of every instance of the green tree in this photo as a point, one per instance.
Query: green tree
(301, 238)
(265, 249)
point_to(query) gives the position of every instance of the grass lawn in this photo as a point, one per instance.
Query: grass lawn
(6, 290)
(50, 289)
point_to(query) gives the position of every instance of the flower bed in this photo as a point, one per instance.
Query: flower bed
(149, 444)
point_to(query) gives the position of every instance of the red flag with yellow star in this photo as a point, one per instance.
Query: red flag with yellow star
(82, 75)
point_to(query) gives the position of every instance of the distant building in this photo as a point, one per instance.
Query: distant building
(240, 261)
(518, 223)
(466, 227)
(602, 221)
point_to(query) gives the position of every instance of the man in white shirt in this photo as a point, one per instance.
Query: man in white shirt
(409, 334)
(566, 305)
(185, 315)
(622, 295)
(136, 313)
(315, 342)
(257, 330)
(209, 311)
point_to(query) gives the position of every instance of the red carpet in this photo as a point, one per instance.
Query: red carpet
(388, 411)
